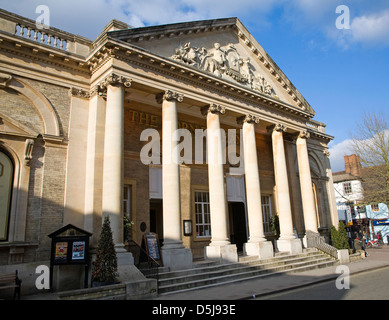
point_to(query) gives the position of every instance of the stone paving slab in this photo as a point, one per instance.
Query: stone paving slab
(377, 258)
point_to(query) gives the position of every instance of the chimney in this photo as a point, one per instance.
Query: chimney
(352, 165)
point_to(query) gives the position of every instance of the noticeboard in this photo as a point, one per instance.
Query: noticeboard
(69, 246)
(152, 246)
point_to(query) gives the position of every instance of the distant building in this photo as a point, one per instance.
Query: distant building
(352, 209)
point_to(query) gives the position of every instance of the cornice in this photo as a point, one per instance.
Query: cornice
(38, 52)
(136, 35)
(319, 135)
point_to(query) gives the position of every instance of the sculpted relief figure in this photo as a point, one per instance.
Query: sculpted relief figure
(225, 63)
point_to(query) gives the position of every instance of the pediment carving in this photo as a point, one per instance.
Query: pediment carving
(224, 62)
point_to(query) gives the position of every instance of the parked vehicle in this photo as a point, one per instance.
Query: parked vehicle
(376, 243)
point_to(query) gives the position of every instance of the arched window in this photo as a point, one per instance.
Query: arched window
(6, 182)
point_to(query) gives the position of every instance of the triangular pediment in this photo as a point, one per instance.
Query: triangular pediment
(222, 48)
(13, 127)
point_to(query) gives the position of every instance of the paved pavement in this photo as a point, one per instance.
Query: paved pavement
(377, 258)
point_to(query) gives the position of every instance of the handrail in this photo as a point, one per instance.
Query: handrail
(314, 240)
(152, 263)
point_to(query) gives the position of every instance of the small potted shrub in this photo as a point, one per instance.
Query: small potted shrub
(105, 266)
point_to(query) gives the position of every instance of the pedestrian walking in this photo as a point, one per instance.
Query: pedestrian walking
(387, 239)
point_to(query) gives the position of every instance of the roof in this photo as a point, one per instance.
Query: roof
(69, 231)
(253, 67)
(342, 176)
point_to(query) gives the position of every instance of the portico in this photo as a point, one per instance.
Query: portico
(84, 124)
(174, 252)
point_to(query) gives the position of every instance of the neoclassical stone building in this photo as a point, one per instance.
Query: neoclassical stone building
(89, 128)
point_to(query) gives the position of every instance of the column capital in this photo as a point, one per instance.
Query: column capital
(113, 79)
(304, 134)
(248, 118)
(279, 127)
(79, 93)
(213, 108)
(169, 95)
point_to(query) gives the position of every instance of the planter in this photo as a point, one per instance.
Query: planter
(96, 284)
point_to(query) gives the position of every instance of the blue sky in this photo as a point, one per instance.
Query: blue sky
(341, 73)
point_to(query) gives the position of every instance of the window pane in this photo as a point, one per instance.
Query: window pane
(202, 214)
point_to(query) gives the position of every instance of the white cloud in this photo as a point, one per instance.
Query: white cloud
(337, 153)
(372, 28)
(368, 29)
(88, 18)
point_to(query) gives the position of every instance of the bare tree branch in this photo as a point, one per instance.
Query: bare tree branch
(370, 142)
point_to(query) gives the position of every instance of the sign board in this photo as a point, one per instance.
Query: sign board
(152, 246)
(381, 222)
(349, 217)
(69, 246)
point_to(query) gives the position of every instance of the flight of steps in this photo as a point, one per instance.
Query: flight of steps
(206, 274)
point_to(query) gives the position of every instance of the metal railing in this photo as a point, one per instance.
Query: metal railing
(147, 265)
(317, 241)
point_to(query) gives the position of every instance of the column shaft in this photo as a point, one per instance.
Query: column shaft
(253, 190)
(282, 185)
(174, 254)
(309, 208)
(113, 161)
(170, 173)
(217, 193)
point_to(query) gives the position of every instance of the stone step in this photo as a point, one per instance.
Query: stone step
(205, 267)
(217, 274)
(235, 267)
(244, 270)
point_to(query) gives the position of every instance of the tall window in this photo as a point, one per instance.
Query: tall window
(347, 188)
(203, 222)
(127, 201)
(127, 212)
(266, 213)
(6, 179)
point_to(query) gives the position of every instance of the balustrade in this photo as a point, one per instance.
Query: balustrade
(41, 36)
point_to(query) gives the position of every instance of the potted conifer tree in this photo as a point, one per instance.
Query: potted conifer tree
(105, 266)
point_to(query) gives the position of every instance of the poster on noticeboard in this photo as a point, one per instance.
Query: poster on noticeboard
(61, 251)
(78, 251)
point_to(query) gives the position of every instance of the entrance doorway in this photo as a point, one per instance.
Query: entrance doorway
(238, 226)
(156, 218)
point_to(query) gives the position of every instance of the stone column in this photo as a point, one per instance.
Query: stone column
(309, 208)
(334, 219)
(112, 180)
(113, 154)
(257, 244)
(174, 253)
(94, 165)
(220, 247)
(287, 240)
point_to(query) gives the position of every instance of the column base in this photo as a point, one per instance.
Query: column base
(126, 268)
(223, 253)
(293, 246)
(263, 249)
(177, 258)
